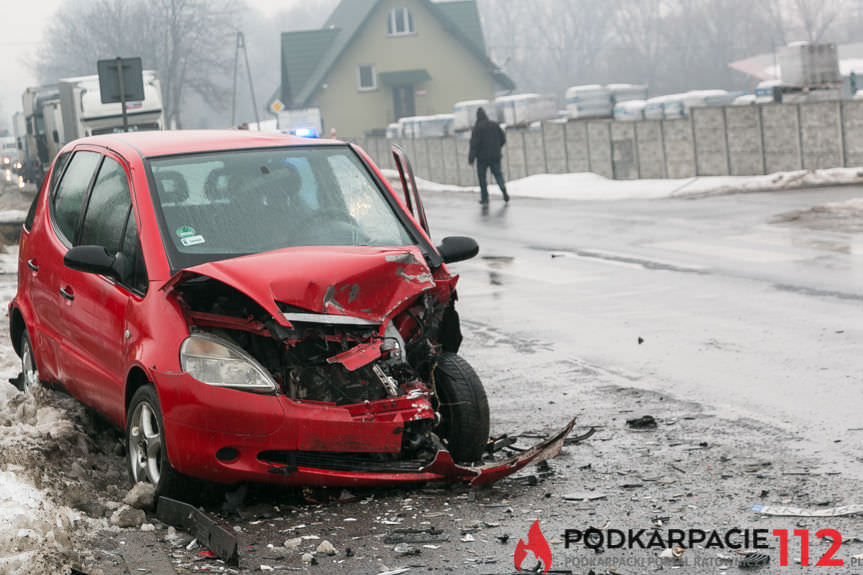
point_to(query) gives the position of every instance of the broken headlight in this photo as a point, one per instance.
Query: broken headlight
(216, 361)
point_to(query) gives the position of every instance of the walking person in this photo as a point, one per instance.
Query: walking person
(486, 141)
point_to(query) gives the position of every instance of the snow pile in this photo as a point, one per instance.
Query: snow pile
(590, 186)
(35, 530)
(779, 181)
(26, 419)
(35, 533)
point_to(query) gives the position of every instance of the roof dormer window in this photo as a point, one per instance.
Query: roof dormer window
(400, 22)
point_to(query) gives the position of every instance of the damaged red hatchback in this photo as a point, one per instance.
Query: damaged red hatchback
(251, 308)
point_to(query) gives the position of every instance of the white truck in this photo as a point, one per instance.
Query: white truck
(84, 114)
(72, 108)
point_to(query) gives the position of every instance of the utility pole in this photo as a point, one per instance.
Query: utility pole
(241, 45)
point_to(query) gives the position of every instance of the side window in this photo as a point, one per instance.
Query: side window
(71, 191)
(31, 213)
(59, 166)
(134, 274)
(366, 77)
(108, 208)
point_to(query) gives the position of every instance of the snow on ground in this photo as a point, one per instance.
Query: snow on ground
(35, 530)
(589, 186)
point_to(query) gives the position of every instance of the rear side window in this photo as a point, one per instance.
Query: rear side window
(108, 208)
(31, 213)
(59, 166)
(72, 190)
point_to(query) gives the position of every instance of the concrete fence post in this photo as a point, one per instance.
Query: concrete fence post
(801, 164)
(725, 133)
(763, 146)
(664, 153)
(840, 110)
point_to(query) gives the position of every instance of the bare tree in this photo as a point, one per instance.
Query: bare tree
(187, 41)
(671, 45)
(548, 45)
(817, 16)
(577, 34)
(641, 38)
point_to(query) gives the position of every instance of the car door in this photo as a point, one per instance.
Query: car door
(41, 257)
(409, 187)
(451, 249)
(96, 313)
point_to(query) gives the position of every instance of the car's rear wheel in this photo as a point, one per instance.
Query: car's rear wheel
(29, 377)
(463, 406)
(145, 445)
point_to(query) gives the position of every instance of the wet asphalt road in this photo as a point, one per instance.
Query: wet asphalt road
(749, 360)
(747, 315)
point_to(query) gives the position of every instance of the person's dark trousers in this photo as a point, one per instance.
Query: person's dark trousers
(494, 166)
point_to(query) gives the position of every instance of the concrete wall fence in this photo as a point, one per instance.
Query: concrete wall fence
(734, 140)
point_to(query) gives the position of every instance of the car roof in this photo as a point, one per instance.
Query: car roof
(170, 142)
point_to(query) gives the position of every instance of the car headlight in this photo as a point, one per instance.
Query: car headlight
(216, 361)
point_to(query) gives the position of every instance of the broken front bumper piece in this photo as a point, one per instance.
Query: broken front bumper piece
(442, 468)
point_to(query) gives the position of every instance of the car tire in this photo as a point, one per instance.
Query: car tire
(463, 407)
(146, 453)
(29, 377)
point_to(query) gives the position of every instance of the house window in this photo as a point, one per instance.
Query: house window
(367, 78)
(400, 22)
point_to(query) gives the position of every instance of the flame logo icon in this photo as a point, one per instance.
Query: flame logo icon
(537, 543)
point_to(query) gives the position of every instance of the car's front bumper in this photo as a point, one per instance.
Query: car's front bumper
(230, 436)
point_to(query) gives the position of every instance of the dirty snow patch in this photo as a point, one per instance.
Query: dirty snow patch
(31, 528)
(590, 186)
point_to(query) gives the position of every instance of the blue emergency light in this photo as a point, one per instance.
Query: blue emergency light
(306, 133)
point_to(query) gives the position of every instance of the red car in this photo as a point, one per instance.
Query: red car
(251, 307)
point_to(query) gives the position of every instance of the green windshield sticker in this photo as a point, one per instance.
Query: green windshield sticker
(185, 231)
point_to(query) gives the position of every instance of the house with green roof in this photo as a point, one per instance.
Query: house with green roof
(376, 61)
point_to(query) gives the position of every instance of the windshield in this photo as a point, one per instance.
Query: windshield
(220, 205)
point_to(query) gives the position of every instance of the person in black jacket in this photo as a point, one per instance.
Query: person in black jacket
(486, 140)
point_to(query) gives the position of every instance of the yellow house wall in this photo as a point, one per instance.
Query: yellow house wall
(456, 74)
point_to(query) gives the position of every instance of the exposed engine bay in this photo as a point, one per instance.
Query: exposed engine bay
(336, 359)
(308, 360)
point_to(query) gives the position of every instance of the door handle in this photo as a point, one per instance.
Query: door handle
(66, 292)
(33, 265)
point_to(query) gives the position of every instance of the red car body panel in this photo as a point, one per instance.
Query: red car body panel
(108, 336)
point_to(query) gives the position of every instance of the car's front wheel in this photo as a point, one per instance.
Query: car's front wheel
(145, 445)
(463, 407)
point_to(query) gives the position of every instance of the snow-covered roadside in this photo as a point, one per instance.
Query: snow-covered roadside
(34, 532)
(38, 435)
(589, 186)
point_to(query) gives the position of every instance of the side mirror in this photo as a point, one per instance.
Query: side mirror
(457, 248)
(91, 260)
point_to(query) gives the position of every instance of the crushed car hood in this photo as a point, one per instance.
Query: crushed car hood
(356, 281)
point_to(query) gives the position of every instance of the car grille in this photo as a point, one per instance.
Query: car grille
(361, 462)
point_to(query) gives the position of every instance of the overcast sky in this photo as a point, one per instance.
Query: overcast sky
(25, 21)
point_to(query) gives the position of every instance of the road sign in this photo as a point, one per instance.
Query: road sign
(114, 87)
(121, 80)
(277, 106)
